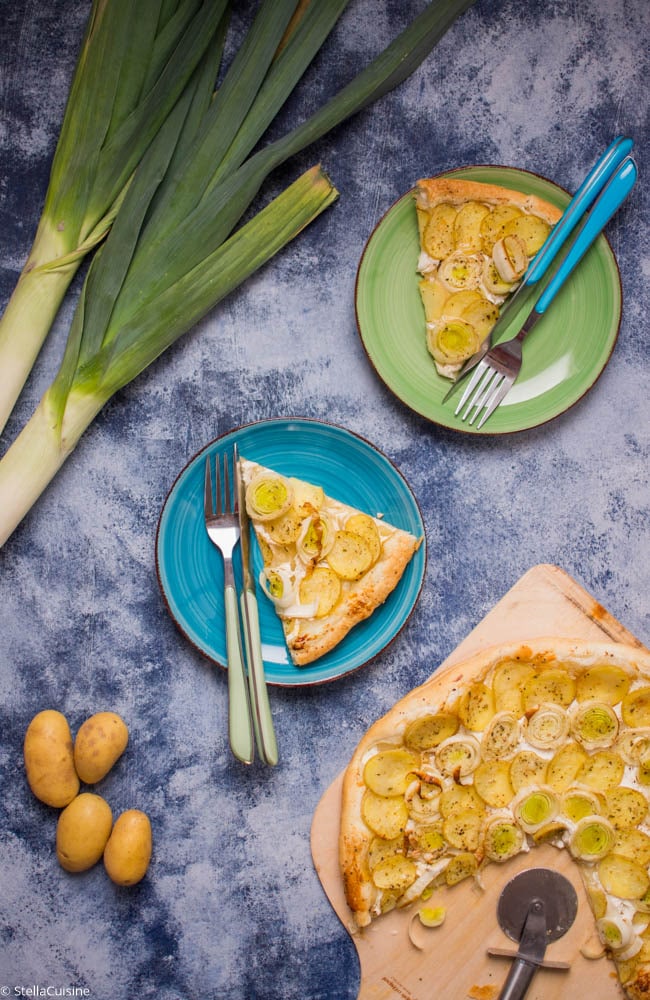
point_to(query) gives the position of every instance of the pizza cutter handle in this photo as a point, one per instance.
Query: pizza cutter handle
(518, 981)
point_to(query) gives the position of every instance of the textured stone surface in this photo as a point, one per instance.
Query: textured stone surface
(232, 907)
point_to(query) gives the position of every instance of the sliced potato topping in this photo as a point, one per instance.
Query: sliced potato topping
(461, 866)
(323, 586)
(430, 730)
(564, 766)
(458, 798)
(467, 226)
(438, 236)
(381, 849)
(527, 768)
(385, 817)
(492, 782)
(365, 526)
(463, 829)
(493, 224)
(388, 772)
(553, 685)
(434, 297)
(394, 872)
(476, 706)
(623, 877)
(509, 681)
(635, 708)
(603, 682)
(350, 556)
(625, 807)
(530, 229)
(602, 770)
(633, 844)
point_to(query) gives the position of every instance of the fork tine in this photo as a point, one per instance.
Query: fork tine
(217, 477)
(471, 385)
(207, 490)
(490, 385)
(479, 388)
(499, 394)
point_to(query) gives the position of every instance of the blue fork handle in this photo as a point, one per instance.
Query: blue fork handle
(584, 197)
(612, 197)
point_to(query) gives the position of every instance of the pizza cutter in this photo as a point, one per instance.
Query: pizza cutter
(536, 907)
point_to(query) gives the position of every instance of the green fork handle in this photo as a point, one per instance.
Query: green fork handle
(261, 709)
(240, 729)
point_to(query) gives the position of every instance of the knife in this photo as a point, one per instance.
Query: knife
(584, 197)
(262, 718)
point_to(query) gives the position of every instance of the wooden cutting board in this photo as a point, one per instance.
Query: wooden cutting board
(453, 963)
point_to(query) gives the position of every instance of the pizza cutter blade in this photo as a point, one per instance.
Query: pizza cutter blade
(536, 907)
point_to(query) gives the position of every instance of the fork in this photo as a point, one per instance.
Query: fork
(496, 373)
(222, 526)
(582, 200)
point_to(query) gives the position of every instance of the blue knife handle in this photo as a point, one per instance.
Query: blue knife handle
(612, 197)
(585, 196)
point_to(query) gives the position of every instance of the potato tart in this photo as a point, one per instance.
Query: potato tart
(327, 565)
(476, 241)
(547, 741)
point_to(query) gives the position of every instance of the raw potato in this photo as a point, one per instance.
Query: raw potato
(128, 851)
(82, 832)
(100, 742)
(49, 760)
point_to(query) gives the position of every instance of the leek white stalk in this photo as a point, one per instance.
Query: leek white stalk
(134, 64)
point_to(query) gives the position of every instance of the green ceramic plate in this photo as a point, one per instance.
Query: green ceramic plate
(563, 358)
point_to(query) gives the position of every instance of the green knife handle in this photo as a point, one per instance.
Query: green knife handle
(262, 719)
(240, 730)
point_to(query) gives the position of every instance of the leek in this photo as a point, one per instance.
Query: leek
(174, 249)
(135, 62)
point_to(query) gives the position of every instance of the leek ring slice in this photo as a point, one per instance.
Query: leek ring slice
(502, 839)
(501, 737)
(634, 746)
(315, 539)
(592, 838)
(615, 933)
(535, 807)
(576, 803)
(268, 496)
(458, 756)
(595, 725)
(509, 256)
(548, 726)
(461, 271)
(451, 341)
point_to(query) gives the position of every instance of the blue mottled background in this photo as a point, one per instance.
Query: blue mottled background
(232, 907)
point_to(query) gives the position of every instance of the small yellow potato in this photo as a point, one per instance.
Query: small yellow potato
(82, 832)
(100, 742)
(128, 851)
(49, 760)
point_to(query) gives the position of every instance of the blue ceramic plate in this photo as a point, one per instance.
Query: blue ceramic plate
(349, 469)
